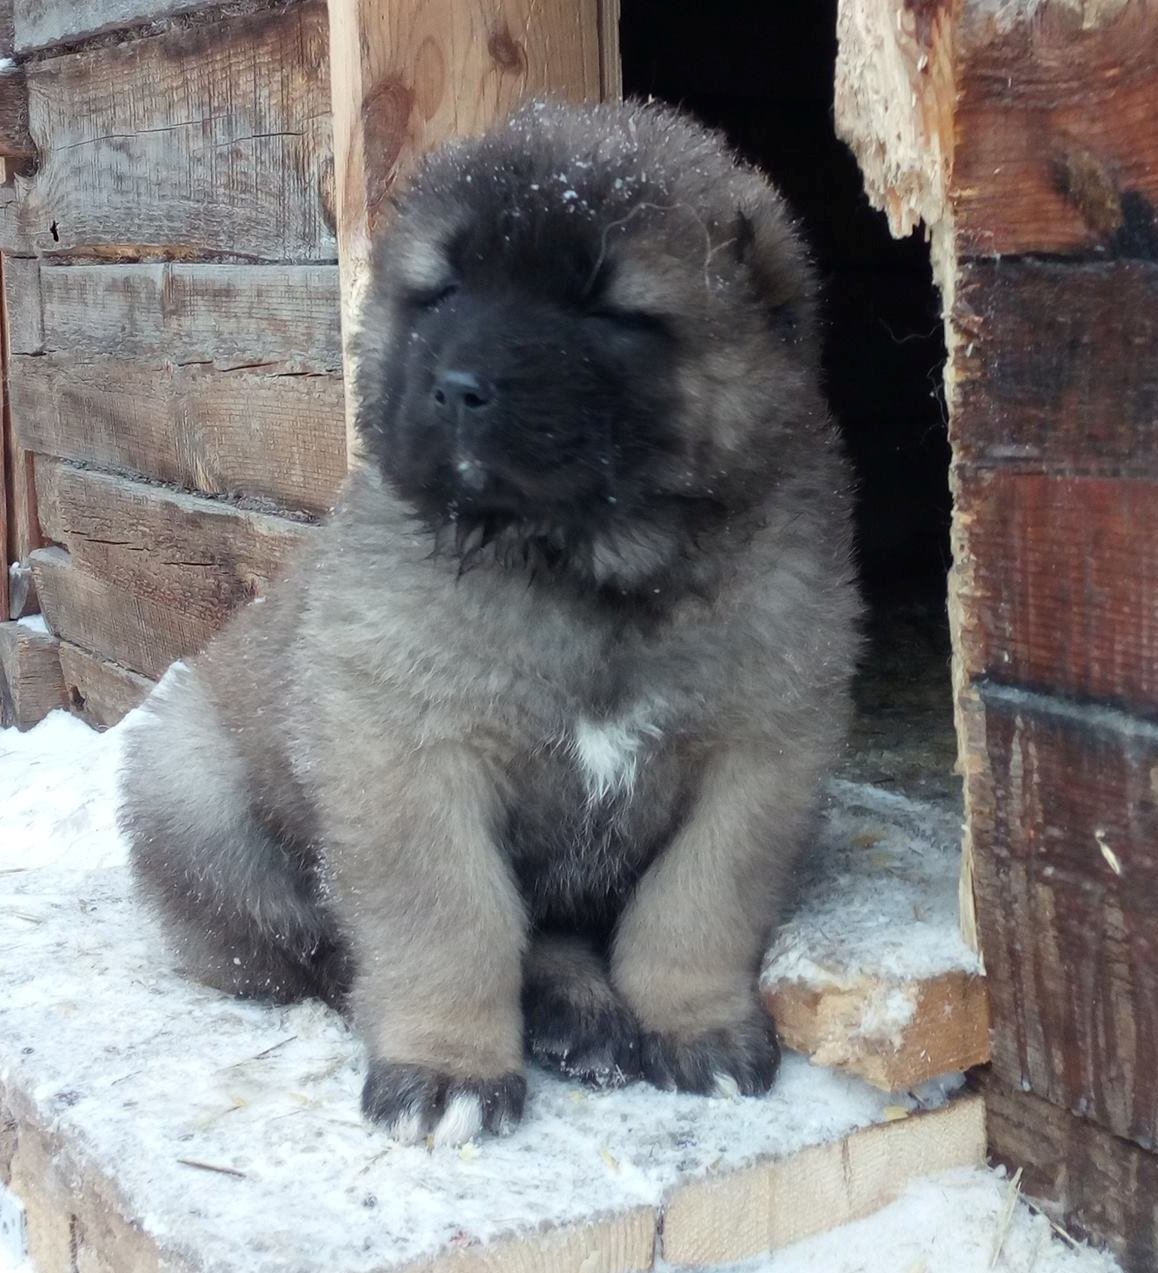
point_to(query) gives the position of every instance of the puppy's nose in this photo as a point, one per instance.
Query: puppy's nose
(462, 392)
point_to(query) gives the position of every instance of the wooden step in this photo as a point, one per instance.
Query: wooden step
(151, 1123)
(871, 974)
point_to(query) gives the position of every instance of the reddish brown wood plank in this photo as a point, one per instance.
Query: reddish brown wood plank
(1097, 1185)
(275, 437)
(1055, 145)
(1057, 583)
(100, 691)
(150, 574)
(1063, 801)
(213, 141)
(1056, 366)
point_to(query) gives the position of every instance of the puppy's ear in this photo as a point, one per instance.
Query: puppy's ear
(777, 266)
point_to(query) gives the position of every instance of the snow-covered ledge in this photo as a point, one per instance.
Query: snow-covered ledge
(148, 1123)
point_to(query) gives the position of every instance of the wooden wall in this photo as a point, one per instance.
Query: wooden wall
(170, 281)
(1025, 137)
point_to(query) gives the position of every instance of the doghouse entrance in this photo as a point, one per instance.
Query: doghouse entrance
(764, 74)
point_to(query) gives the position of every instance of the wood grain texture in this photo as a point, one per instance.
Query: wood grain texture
(19, 309)
(240, 433)
(1056, 366)
(278, 317)
(15, 139)
(1023, 127)
(97, 690)
(1095, 1184)
(149, 574)
(42, 23)
(1057, 581)
(947, 1031)
(31, 685)
(1064, 803)
(733, 1217)
(405, 77)
(202, 142)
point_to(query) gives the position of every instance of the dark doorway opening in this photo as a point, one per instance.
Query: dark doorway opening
(764, 74)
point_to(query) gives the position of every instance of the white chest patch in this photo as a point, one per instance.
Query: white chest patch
(609, 752)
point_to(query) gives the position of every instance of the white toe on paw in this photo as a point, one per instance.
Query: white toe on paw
(726, 1086)
(406, 1128)
(463, 1120)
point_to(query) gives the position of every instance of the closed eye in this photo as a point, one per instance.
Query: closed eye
(433, 297)
(634, 320)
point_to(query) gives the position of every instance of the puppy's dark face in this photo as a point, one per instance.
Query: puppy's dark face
(583, 339)
(517, 389)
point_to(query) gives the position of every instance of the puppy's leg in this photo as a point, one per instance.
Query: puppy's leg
(687, 950)
(240, 908)
(437, 930)
(574, 1020)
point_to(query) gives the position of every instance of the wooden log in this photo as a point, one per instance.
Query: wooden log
(1056, 583)
(1096, 1185)
(206, 141)
(7, 28)
(278, 317)
(1064, 806)
(19, 310)
(1030, 121)
(405, 78)
(31, 685)
(150, 574)
(947, 1029)
(41, 23)
(1055, 367)
(99, 691)
(239, 433)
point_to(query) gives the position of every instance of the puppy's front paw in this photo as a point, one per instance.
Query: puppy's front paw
(594, 1040)
(739, 1060)
(414, 1102)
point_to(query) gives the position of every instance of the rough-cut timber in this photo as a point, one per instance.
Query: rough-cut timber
(40, 23)
(98, 690)
(1103, 1187)
(1064, 800)
(1057, 583)
(19, 309)
(1028, 125)
(248, 433)
(278, 317)
(30, 679)
(1056, 366)
(947, 1031)
(771, 1205)
(15, 141)
(209, 141)
(150, 574)
(405, 77)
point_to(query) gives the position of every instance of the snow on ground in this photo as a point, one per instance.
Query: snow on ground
(152, 1079)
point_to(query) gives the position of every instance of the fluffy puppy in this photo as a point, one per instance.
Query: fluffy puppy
(521, 754)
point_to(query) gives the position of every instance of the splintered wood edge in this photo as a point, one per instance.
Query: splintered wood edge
(768, 1206)
(947, 1029)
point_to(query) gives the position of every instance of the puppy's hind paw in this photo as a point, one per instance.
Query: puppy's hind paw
(415, 1103)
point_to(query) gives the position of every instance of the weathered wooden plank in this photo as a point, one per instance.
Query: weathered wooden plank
(1057, 583)
(283, 317)
(1097, 1185)
(198, 142)
(30, 681)
(41, 23)
(100, 691)
(150, 574)
(15, 141)
(275, 437)
(405, 77)
(1030, 122)
(19, 305)
(7, 28)
(1056, 366)
(1064, 807)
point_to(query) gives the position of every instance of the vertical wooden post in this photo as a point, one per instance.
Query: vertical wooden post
(407, 75)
